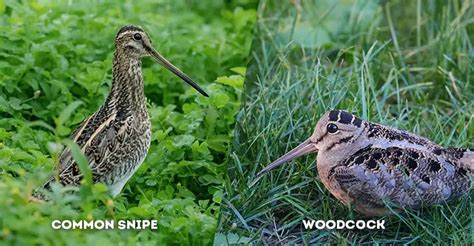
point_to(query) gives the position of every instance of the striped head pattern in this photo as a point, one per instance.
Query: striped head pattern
(334, 132)
(132, 43)
(336, 129)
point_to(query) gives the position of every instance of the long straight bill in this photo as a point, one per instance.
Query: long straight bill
(165, 63)
(304, 148)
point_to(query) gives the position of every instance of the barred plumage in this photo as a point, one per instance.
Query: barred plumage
(368, 164)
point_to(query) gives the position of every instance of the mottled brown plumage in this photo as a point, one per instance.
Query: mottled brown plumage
(368, 164)
(116, 138)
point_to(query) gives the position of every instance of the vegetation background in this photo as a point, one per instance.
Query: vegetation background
(407, 64)
(55, 70)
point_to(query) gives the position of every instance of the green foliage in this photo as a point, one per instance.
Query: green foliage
(55, 70)
(407, 64)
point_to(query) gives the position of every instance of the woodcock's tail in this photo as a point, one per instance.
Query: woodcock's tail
(462, 158)
(467, 161)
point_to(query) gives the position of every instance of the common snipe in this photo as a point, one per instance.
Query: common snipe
(365, 164)
(116, 138)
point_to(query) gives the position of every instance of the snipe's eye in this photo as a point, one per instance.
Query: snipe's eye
(137, 36)
(332, 128)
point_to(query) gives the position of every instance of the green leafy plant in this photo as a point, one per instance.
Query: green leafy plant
(55, 70)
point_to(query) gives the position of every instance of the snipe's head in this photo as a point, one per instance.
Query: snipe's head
(334, 131)
(134, 43)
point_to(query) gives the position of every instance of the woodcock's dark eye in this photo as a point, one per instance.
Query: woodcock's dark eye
(137, 36)
(332, 128)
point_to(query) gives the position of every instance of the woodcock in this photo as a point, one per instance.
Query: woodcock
(365, 164)
(116, 138)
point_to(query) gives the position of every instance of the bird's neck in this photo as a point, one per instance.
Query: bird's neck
(127, 83)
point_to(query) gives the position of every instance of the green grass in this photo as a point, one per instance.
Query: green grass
(407, 64)
(55, 70)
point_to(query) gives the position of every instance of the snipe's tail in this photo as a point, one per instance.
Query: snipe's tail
(38, 193)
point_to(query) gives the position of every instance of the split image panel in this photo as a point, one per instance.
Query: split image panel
(60, 60)
(402, 64)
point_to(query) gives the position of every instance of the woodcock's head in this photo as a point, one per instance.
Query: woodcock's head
(133, 43)
(333, 133)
